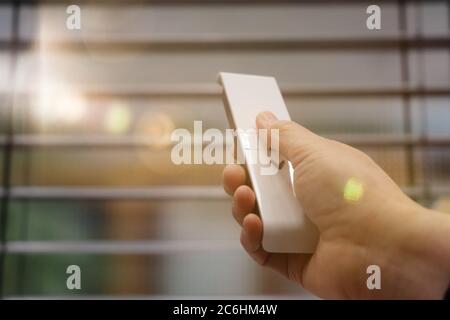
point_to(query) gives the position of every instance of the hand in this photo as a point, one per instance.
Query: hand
(363, 217)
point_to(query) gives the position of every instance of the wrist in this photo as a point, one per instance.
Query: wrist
(422, 253)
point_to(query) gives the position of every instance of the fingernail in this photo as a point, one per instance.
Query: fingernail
(265, 119)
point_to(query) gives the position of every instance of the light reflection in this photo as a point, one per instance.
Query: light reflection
(117, 118)
(58, 104)
(158, 127)
(353, 190)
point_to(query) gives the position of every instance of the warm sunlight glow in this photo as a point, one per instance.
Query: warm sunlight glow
(58, 104)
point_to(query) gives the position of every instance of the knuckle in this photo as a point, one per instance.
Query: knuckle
(282, 125)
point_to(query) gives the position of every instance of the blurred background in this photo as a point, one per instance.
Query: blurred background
(86, 117)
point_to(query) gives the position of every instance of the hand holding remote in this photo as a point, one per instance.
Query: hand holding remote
(363, 217)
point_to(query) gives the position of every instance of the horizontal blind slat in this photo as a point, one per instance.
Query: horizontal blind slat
(119, 247)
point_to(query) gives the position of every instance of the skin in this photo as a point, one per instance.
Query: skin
(383, 227)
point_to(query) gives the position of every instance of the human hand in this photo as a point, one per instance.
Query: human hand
(363, 217)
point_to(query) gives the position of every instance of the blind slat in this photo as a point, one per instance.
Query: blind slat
(119, 247)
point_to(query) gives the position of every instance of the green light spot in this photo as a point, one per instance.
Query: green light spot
(353, 190)
(118, 118)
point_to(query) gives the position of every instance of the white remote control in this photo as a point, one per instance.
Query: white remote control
(286, 228)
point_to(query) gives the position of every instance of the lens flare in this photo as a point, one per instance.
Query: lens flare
(72, 108)
(158, 127)
(353, 190)
(57, 104)
(117, 119)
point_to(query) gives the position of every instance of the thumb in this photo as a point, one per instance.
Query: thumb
(295, 142)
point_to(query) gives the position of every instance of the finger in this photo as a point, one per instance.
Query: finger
(233, 177)
(288, 264)
(292, 140)
(251, 240)
(243, 203)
